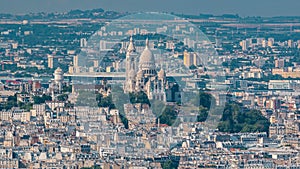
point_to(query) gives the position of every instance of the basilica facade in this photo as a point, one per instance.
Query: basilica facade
(141, 74)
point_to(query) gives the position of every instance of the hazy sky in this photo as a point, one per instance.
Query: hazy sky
(241, 7)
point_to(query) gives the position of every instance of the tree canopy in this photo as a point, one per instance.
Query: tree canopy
(139, 97)
(236, 119)
(168, 116)
(41, 99)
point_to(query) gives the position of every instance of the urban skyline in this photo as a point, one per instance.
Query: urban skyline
(242, 7)
(91, 89)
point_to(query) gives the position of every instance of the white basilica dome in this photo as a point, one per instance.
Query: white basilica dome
(147, 60)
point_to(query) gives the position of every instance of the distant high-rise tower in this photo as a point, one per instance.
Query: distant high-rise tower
(245, 44)
(52, 62)
(188, 58)
(83, 42)
(196, 59)
(291, 43)
(75, 61)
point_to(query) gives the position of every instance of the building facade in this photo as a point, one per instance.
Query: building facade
(143, 76)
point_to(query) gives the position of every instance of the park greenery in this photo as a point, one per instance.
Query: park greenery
(234, 117)
(63, 97)
(13, 102)
(94, 167)
(41, 99)
(21, 72)
(10, 103)
(139, 97)
(203, 101)
(170, 164)
(169, 115)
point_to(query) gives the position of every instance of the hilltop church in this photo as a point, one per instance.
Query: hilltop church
(141, 74)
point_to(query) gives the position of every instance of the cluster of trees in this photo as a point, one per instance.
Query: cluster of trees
(236, 63)
(67, 88)
(62, 97)
(203, 113)
(139, 97)
(115, 100)
(25, 106)
(268, 78)
(41, 99)
(168, 115)
(92, 99)
(203, 101)
(237, 119)
(94, 167)
(21, 72)
(170, 164)
(13, 102)
(105, 101)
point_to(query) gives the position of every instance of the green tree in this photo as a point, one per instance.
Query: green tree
(139, 97)
(11, 102)
(203, 99)
(62, 97)
(106, 102)
(120, 98)
(168, 116)
(67, 89)
(235, 119)
(42, 99)
(170, 164)
(192, 67)
(203, 113)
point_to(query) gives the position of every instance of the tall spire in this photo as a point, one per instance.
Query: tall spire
(147, 43)
(131, 47)
(131, 39)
